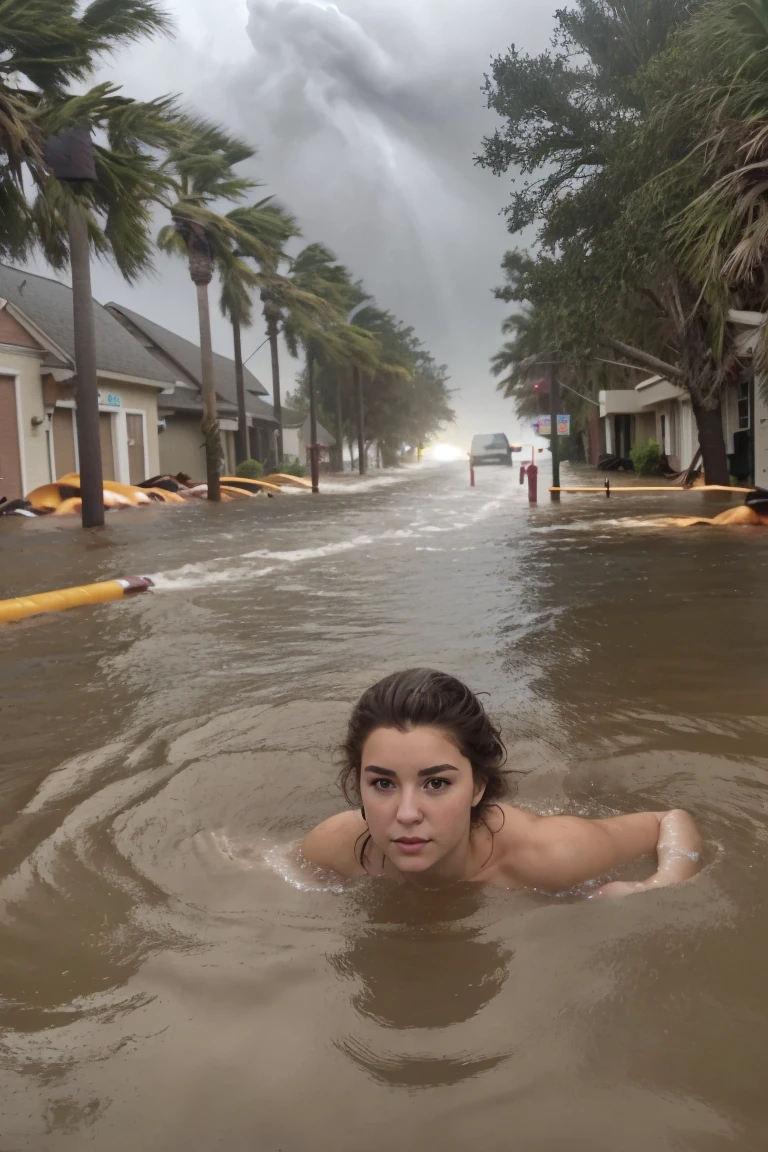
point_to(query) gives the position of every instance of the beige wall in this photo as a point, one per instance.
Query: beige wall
(136, 399)
(181, 447)
(291, 445)
(35, 452)
(35, 468)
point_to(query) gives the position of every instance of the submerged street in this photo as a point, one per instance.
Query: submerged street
(173, 979)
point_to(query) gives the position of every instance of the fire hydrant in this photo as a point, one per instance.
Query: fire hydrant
(532, 473)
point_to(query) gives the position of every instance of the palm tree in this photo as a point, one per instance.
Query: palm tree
(722, 234)
(46, 46)
(204, 175)
(301, 302)
(264, 222)
(335, 341)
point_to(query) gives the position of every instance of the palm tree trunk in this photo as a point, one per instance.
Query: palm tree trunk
(242, 452)
(339, 428)
(211, 434)
(276, 400)
(709, 422)
(360, 423)
(554, 439)
(313, 451)
(87, 406)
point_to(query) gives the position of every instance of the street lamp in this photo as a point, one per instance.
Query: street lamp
(70, 157)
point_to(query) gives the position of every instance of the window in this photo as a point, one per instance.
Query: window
(744, 407)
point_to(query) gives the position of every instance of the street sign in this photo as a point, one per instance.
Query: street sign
(542, 425)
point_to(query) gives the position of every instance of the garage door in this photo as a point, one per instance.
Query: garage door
(135, 429)
(64, 441)
(10, 456)
(107, 450)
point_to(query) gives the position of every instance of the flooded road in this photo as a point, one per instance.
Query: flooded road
(171, 979)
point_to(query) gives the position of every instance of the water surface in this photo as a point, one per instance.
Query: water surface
(171, 980)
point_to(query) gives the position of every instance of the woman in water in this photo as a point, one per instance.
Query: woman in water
(423, 764)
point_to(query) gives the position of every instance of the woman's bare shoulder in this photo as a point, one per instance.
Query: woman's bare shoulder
(331, 844)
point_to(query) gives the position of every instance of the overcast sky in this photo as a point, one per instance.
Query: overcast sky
(366, 116)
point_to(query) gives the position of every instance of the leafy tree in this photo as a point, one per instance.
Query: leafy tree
(581, 126)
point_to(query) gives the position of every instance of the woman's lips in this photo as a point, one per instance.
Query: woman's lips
(411, 846)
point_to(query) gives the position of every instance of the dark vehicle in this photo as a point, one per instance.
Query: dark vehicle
(491, 449)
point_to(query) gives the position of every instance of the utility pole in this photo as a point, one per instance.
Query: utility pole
(360, 423)
(70, 157)
(554, 443)
(243, 452)
(314, 463)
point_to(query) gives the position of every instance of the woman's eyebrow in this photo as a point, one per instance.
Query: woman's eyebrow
(438, 768)
(424, 771)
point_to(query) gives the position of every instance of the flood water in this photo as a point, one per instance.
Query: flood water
(171, 979)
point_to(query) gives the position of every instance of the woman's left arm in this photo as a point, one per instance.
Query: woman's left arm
(558, 852)
(678, 855)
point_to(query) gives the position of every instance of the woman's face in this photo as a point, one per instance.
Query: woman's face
(418, 792)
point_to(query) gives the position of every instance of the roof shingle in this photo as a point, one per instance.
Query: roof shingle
(48, 304)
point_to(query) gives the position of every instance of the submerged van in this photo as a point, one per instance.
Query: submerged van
(491, 449)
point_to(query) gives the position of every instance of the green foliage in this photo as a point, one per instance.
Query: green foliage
(46, 46)
(250, 470)
(610, 146)
(292, 467)
(646, 458)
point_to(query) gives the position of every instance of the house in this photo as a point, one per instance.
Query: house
(296, 435)
(654, 409)
(181, 411)
(38, 433)
(658, 410)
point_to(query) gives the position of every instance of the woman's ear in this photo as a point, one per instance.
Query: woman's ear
(479, 792)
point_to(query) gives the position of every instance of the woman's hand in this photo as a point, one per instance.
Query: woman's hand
(618, 888)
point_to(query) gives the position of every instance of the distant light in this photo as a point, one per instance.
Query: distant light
(445, 452)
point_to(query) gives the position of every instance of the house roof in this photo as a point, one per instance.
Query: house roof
(186, 356)
(48, 305)
(261, 409)
(294, 419)
(190, 400)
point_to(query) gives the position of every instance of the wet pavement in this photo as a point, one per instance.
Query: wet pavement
(172, 979)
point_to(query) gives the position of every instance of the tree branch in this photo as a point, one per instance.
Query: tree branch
(660, 367)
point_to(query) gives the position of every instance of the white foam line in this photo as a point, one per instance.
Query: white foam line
(209, 572)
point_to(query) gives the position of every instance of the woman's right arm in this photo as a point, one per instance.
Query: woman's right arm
(331, 845)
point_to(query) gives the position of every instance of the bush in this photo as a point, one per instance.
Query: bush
(250, 470)
(292, 467)
(646, 458)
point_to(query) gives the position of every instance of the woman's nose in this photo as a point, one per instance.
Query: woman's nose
(408, 810)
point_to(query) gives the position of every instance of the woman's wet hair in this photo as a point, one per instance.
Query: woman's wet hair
(425, 698)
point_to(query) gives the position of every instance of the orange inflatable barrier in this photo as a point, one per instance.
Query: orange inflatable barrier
(100, 593)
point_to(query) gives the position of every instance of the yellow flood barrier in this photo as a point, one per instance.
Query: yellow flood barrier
(100, 593)
(289, 481)
(652, 488)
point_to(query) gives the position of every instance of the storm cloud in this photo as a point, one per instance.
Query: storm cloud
(366, 115)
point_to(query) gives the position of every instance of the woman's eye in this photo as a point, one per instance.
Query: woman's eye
(383, 785)
(438, 784)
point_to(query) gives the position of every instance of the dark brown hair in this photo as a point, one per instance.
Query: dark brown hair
(424, 698)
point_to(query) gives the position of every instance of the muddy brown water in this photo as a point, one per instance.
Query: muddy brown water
(171, 978)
